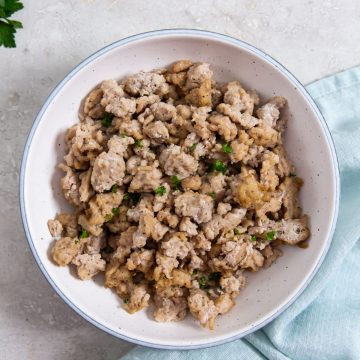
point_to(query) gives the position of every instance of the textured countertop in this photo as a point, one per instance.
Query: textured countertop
(311, 38)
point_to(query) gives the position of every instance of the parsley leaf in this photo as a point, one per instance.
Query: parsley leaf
(83, 234)
(161, 190)
(7, 26)
(176, 182)
(108, 217)
(11, 6)
(219, 166)
(226, 148)
(7, 35)
(292, 175)
(115, 211)
(107, 119)
(270, 235)
(139, 144)
(237, 231)
(253, 238)
(134, 198)
(114, 188)
(212, 194)
(192, 148)
(203, 282)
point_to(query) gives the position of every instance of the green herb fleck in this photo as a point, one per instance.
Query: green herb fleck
(219, 166)
(76, 241)
(215, 276)
(176, 182)
(107, 119)
(126, 301)
(139, 144)
(270, 235)
(253, 238)
(108, 217)
(292, 175)
(134, 198)
(237, 231)
(8, 27)
(161, 190)
(192, 148)
(115, 211)
(114, 188)
(83, 234)
(194, 272)
(123, 135)
(212, 194)
(203, 282)
(226, 148)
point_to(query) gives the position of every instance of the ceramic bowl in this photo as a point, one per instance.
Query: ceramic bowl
(308, 143)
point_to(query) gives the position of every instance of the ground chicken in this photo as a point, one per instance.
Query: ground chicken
(146, 83)
(92, 105)
(202, 308)
(177, 246)
(88, 266)
(65, 249)
(197, 206)
(180, 186)
(55, 228)
(177, 163)
(171, 304)
(146, 178)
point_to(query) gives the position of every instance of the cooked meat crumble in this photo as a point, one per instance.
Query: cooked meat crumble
(180, 185)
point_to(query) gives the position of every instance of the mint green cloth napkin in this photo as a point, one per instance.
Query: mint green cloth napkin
(324, 322)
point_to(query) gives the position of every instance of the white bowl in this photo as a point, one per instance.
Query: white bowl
(308, 142)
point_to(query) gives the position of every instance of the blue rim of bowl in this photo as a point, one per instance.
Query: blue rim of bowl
(204, 34)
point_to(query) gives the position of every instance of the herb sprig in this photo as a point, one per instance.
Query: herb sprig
(8, 27)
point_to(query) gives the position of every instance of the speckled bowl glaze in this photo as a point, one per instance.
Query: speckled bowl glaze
(308, 142)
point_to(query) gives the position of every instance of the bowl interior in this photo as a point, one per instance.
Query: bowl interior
(307, 142)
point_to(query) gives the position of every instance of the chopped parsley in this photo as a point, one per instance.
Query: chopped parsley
(161, 190)
(108, 217)
(8, 27)
(126, 301)
(226, 148)
(107, 119)
(237, 231)
(192, 148)
(219, 166)
(212, 194)
(203, 282)
(123, 135)
(292, 175)
(194, 272)
(83, 234)
(270, 235)
(215, 276)
(134, 198)
(139, 144)
(115, 211)
(114, 188)
(253, 238)
(176, 182)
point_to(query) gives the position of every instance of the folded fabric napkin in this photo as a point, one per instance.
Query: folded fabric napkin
(324, 322)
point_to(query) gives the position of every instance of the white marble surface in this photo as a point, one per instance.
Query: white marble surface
(311, 38)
